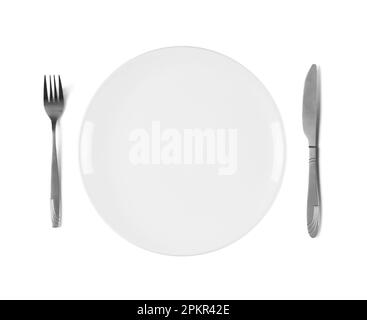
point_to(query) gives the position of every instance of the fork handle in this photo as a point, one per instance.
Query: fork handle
(55, 200)
(314, 198)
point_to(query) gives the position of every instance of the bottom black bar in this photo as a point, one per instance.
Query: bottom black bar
(174, 309)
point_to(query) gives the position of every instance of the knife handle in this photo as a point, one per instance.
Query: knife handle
(314, 197)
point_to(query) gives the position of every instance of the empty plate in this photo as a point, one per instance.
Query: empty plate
(182, 151)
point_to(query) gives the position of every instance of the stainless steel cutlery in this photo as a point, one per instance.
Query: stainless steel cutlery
(53, 99)
(311, 122)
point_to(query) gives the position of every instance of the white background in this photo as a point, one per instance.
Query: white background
(85, 41)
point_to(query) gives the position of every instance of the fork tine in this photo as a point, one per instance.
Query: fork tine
(51, 90)
(55, 90)
(45, 94)
(61, 94)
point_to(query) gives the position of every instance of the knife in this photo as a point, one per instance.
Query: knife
(311, 122)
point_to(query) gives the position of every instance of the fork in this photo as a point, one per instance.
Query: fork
(54, 106)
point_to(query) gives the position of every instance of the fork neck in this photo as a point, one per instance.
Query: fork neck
(53, 124)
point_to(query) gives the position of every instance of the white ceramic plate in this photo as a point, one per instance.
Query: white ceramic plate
(182, 151)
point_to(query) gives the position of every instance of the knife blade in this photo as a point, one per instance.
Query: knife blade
(311, 122)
